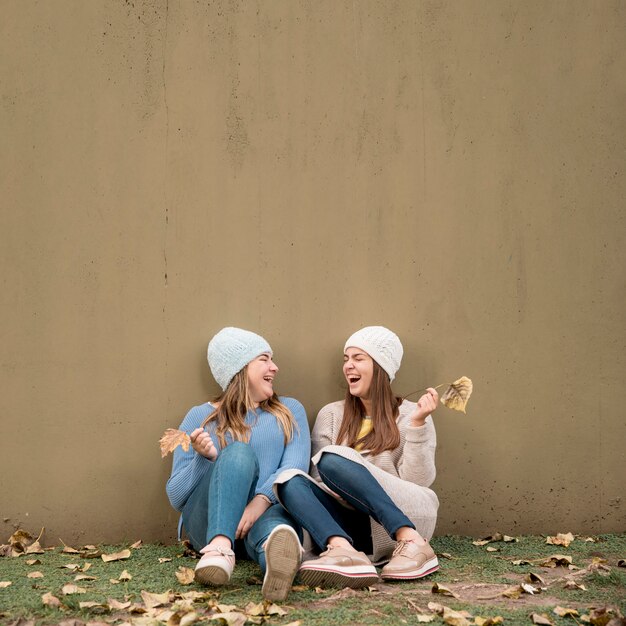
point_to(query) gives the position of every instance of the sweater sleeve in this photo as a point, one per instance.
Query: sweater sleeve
(189, 467)
(322, 435)
(417, 464)
(297, 453)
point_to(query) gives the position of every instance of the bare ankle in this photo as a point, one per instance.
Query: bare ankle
(340, 542)
(407, 533)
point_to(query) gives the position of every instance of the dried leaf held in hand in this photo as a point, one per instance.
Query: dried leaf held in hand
(457, 394)
(173, 438)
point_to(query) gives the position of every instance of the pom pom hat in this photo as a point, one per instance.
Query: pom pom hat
(231, 350)
(381, 344)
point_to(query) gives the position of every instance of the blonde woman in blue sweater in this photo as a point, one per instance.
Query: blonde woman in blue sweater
(240, 443)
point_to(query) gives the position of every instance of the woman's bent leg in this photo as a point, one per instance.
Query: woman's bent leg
(356, 485)
(215, 508)
(323, 516)
(274, 542)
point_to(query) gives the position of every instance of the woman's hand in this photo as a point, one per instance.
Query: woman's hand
(425, 406)
(255, 508)
(203, 444)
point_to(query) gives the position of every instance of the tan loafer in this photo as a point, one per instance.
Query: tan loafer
(410, 561)
(339, 567)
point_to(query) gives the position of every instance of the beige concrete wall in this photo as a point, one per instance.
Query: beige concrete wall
(454, 171)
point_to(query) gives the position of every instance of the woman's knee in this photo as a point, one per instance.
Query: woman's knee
(238, 455)
(293, 486)
(332, 465)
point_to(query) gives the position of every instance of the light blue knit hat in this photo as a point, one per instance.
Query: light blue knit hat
(231, 350)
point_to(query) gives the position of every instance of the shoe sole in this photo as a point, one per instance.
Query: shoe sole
(283, 556)
(355, 577)
(428, 568)
(211, 575)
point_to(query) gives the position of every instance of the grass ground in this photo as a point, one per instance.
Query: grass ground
(477, 578)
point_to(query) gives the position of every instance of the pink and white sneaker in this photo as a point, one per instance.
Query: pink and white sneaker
(216, 565)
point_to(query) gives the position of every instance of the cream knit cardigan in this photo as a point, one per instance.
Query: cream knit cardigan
(405, 473)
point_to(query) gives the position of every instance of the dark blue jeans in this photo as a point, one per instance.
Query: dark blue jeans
(217, 504)
(324, 517)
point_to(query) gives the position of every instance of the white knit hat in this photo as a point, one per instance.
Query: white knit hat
(231, 350)
(381, 344)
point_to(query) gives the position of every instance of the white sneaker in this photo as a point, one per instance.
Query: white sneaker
(283, 555)
(215, 566)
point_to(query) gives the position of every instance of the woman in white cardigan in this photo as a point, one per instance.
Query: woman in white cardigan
(374, 460)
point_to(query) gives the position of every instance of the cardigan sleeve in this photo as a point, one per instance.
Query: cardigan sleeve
(417, 463)
(323, 433)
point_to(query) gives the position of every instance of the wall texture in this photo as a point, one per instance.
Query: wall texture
(454, 171)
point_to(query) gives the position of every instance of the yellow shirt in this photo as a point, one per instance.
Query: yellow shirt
(366, 428)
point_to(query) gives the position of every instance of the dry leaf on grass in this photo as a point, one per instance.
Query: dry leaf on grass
(137, 544)
(92, 604)
(116, 556)
(425, 618)
(80, 577)
(561, 539)
(116, 605)
(33, 562)
(5, 583)
(164, 559)
(70, 589)
(171, 439)
(492, 549)
(152, 600)
(621, 563)
(565, 612)
(124, 577)
(34, 575)
(231, 619)
(488, 621)
(541, 618)
(572, 584)
(455, 618)
(457, 394)
(49, 600)
(68, 549)
(185, 575)
(531, 577)
(437, 588)
(556, 559)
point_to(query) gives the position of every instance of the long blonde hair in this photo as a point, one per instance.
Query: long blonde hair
(234, 404)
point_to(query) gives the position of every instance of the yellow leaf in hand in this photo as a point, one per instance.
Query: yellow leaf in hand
(457, 394)
(173, 438)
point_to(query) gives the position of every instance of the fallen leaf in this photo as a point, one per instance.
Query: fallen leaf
(124, 577)
(116, 556)
(564, 612)
(436, 607)
(556, 559)
(488, 621)
(526, 588)
(437, 588)
(91, 604)
(541, 618)
(75, 567)
(531, 577)
(20, 539)
(561, 539)
(116, 605)
(521, 562)
(171, 439)
(5, 583)
(188, 618)
(68, 549)
(572, 584)
(425, 618)
(185, 575)
(492, 549)
(481, 542)
(137, 544)
(589, 539)
(80, 577)
(164, 560)
(49, 600)
(513, 592)
(454, 618)
(152, 600)
(69, 589)
(508, 539)
(274, 609)
(35, 575)
(457, 394)
(446, 555)
(33, 562)
(225, 608)
(231, 619)
(114, 581)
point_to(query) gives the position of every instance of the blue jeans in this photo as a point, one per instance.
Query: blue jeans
(324, 517)
(217, 504)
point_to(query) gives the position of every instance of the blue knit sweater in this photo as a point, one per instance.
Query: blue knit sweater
(266, 439)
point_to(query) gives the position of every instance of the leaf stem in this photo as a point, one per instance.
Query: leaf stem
(424, 389)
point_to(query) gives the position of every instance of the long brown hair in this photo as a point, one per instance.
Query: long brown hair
(385, 410)
(234, 404)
